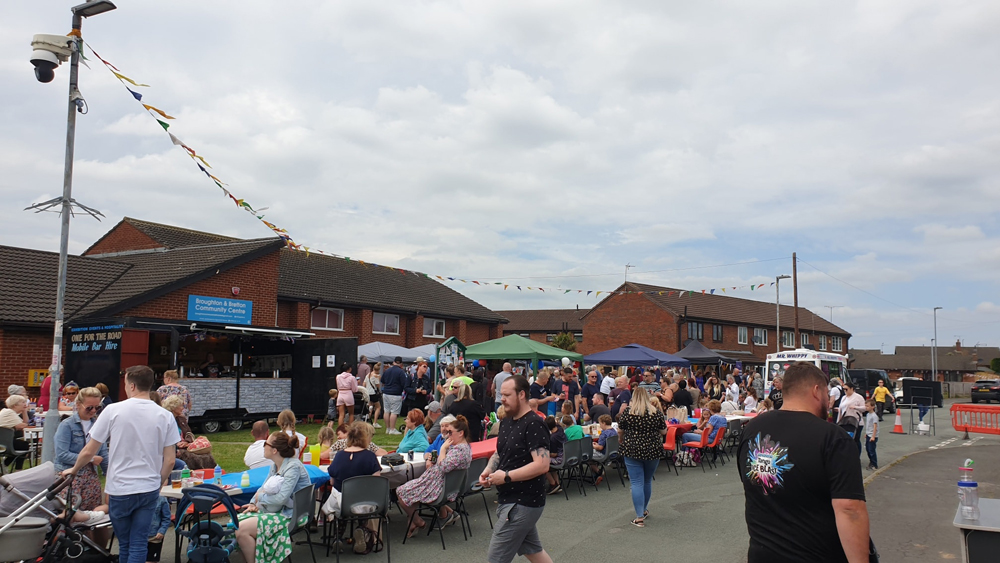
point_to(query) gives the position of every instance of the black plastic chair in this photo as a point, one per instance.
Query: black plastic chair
(454, 484)
(11, 455)
(362, 498)
(572, 459)
(302, 514)
(613, 457)
(208, 541)
(473, 488)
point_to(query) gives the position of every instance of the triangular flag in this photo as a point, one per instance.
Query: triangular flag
(723, 290)
(542, 290)
(567, 291)
(163, 124)
(760, 286)
(751, 288)
(475, 282)
(440, 278)
(175, 140)
(703, 292)
(205, 162)
(135, 94)
(589, 291)
(519, 288)
(505, 287)
(159, 111)
(129, 80)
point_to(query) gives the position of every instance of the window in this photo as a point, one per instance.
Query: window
(384, 323)
(550, 337)
(760, 336)
(525, 335)
(433, 328)
(822, 342)
(838, 343)
(805, 339)
(788, 339)
(696, 331)
(578, 336)
(327, 319)
(741, 335)
(716, 333)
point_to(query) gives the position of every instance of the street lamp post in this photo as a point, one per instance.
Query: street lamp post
(66, 204)
(934, 348)
(777, 308)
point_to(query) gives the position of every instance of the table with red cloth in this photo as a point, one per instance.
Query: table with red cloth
(485, 448)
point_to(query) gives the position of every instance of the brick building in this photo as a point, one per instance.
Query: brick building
(147, 293)
(954, 363)
(738, 328)
(542, 325)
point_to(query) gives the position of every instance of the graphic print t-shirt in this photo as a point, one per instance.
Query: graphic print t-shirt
(792, 465)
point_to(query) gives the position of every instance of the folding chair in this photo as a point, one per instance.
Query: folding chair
(363, 498)
(700, 446)
(473, 488)
(302, 513)
(454, 484)
(572, 456)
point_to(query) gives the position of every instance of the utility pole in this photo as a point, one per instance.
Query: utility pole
(795, 294)
(777, 308)
(627, 266)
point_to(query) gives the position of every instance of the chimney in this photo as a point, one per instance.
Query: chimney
(958, 345)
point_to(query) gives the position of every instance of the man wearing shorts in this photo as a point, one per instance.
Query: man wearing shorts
(394, 381)
(518, 470)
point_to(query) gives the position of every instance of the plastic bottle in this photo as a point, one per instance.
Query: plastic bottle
(186, 473)
(218, 474)
(968, 492)
(245, 480)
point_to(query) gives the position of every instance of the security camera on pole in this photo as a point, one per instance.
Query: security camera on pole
(48, 52)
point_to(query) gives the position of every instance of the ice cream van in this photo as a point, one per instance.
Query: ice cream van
(833, 365)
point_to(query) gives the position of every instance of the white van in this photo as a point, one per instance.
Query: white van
(833, 365)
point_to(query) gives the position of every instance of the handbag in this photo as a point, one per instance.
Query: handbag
(393, 459)
(200, 445)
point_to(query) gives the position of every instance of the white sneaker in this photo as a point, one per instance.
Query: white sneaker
(376, 425)
(94, 518)
(392, 431)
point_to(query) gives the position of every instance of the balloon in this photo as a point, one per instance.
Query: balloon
(432, 359)
(565, 362)
(475, 363)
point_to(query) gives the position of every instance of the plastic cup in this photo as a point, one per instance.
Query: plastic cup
(175, 483)
(209, 473)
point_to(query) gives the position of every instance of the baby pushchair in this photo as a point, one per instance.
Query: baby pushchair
(208, 541)
(36, 525)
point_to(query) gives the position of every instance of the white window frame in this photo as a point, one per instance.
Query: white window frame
(742, 335)
(788, 339)
(822, 342)
(804, 338)
(837, 344)
(550, 337)
(578, 336)
(434, 325)
(524, 335)
(384, 317)
(760, 336)
(327, 311)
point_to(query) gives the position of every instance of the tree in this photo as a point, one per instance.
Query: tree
(565, 340)
(995, 365)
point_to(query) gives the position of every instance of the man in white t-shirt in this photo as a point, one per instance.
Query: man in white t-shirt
(607, 384)
(254, 457)
(143, 437)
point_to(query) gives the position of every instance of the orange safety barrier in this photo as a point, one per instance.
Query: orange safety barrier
(983, 419)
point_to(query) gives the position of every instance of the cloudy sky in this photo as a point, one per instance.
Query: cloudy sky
(550, 143)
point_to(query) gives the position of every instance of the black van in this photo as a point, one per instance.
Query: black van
(865, 380)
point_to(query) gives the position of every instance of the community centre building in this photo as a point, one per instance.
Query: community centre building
(251, 312)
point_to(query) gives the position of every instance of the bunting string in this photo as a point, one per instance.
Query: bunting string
(160, 115)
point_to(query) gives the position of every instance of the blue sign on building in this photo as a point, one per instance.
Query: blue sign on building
(219, 310)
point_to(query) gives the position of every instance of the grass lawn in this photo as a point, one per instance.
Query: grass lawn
(228, 447)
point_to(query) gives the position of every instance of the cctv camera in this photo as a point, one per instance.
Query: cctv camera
(49, 51)
(45, 65)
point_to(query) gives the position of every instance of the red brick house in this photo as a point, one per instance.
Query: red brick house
(542, 325)
(739, 328)
(147, 293)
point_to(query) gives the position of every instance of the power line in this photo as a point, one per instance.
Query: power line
(644, 272)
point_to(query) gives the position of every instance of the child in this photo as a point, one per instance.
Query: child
(557, 440)
(602, 442)
(571, 428)
(157, 528)
(325, 440)
(331, 407)
(567, 410)
(871, 434)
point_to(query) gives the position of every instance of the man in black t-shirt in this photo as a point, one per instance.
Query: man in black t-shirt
(776, 394)
(567, 389)
(805, 497)
(518, 470)
(683, 398)
(540, 391)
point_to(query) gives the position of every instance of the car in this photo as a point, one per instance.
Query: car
(986, 390)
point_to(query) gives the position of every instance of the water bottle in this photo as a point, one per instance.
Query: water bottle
(186, 473)
(968, 492)
(245, 480)
(218, 474)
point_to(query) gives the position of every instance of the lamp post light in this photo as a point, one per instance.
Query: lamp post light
(44, 67)
(777, 308)
(934, 348)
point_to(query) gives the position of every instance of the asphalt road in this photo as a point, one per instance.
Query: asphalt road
(700, 515)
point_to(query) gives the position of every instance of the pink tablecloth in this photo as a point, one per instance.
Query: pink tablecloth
(485, 448)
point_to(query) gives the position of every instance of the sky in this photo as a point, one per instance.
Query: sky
(550, 143)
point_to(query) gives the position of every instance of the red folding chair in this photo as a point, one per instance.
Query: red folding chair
(714, 447)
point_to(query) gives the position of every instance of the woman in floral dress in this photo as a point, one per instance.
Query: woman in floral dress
(171, 387)
(455, 454)
(263, 532)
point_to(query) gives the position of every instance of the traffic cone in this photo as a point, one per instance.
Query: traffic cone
(898, 428)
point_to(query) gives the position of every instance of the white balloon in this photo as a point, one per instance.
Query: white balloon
(565, 362)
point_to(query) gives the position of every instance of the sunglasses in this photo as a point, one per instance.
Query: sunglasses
(269, 444)
(97, 408)
(70, 394)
